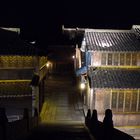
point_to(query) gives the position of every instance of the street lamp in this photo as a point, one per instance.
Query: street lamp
(82, 86)
(83, 83)
(47, 65)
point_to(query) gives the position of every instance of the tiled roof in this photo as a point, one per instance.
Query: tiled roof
(15, 96)
(136, 29)
(115, 78)
(15, 89)
(14, 74)
(12, 44)
(111, 40)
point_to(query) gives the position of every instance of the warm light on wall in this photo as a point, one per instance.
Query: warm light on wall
(47, 65)
(82, 85)
(73, 56)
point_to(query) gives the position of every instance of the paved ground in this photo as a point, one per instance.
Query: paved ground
(61, 101)
(59, 132)
(61, 117)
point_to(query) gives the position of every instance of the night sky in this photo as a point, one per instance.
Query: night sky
(42, 21)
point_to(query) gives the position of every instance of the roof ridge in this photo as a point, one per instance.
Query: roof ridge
(108, 30)
(100, 68)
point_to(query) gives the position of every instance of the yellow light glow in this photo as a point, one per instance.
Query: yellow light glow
(82, 85)
(47, 65)
(14, 81)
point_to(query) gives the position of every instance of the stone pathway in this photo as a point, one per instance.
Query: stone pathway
(53, 131)
(61, 101)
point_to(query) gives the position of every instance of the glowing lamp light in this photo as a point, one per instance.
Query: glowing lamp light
(73, 56)
(47, 65)
(82, 86)
(33, 42)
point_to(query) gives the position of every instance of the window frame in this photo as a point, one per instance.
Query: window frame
(115, 107)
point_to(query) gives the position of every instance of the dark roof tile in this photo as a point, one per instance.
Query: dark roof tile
(136, 29)
(116, 78)
(108, 40)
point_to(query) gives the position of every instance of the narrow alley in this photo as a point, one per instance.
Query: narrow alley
(61, 104)
(62, 116)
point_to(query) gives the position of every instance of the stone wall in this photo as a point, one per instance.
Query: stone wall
(102, 100)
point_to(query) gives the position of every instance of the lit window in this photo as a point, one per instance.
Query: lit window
(139, 103)
(128, 58)
(116, 57)
(125, 101)
(138, 59)
(109, 59)
(121, 59)
(134, 59)
(134, 101)
(103, 59)
(120, 101)
(114, 100)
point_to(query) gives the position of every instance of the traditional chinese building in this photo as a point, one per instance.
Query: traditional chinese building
(22, 71)
(110, 62)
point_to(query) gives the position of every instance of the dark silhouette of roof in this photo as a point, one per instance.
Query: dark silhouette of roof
(115, 78)
(12, 44)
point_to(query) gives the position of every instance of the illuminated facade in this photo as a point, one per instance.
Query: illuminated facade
(19, 62)
(112, 59)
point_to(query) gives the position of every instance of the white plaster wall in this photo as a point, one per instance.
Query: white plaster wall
(96, 59)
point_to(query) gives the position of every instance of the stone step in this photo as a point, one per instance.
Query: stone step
(58, 131)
